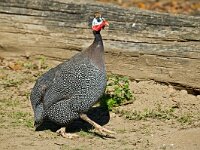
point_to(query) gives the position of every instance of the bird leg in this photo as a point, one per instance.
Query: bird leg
(62, 132)
(102, 130)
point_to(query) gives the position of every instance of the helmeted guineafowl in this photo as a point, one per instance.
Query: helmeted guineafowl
(66, 92)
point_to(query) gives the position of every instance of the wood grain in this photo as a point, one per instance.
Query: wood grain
(140, 44)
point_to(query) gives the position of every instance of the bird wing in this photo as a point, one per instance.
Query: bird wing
(64, 84)
(42, 84)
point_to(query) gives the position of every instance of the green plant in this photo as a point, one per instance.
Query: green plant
(12, 83)
(117, 92)
(30, 65)
(185, 119)
(150, 113)
(157, 113)
(85, 134)
(19, 118)
(42, 62)
(29, 122)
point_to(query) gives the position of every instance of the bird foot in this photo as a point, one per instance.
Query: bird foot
(66, 135)
(103, 131)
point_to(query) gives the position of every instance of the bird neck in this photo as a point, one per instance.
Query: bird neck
(95, 51)
(97, 37)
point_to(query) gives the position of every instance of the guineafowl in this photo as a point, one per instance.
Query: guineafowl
(69, 90)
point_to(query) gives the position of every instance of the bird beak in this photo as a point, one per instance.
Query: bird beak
(106, 23)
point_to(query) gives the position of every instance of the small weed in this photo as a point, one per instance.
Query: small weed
(30, 65)
(29, 123)
(24, 93)
(83, 133)
(21, 118)
(9, 103)
(12, 83)
(150, 113)
(37, 74)
(7, 106)
(18, 115)
(185, 119)
(158, 113)
(42, 62)
(146, 129)
(117, 92)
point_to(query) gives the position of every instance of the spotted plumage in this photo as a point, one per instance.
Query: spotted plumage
(71, 88)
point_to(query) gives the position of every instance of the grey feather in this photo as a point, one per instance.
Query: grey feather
(71, 88)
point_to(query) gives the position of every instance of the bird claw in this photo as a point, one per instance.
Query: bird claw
(105, 132)
(66, 135)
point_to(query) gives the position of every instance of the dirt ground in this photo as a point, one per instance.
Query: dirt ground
(160, 118)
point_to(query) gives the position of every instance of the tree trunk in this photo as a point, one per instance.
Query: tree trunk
(140, 44)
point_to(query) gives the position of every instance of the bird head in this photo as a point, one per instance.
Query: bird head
(98, 22)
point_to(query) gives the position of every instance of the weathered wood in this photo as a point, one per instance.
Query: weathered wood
(140, 44)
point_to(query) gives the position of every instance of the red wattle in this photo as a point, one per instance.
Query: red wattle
(100, 26)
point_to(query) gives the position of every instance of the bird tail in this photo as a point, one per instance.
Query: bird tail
(39, 115)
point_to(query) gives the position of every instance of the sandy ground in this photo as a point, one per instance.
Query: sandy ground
(160, 118)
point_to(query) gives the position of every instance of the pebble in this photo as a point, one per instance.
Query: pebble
(183, 92)
(21, 120)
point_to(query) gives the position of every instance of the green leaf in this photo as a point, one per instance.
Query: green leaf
(117, 92)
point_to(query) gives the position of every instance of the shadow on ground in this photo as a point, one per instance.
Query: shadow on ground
(99, 115)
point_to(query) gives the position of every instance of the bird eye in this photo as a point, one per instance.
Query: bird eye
(98, 19)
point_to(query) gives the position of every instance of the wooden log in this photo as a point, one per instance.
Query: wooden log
(140, 44)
